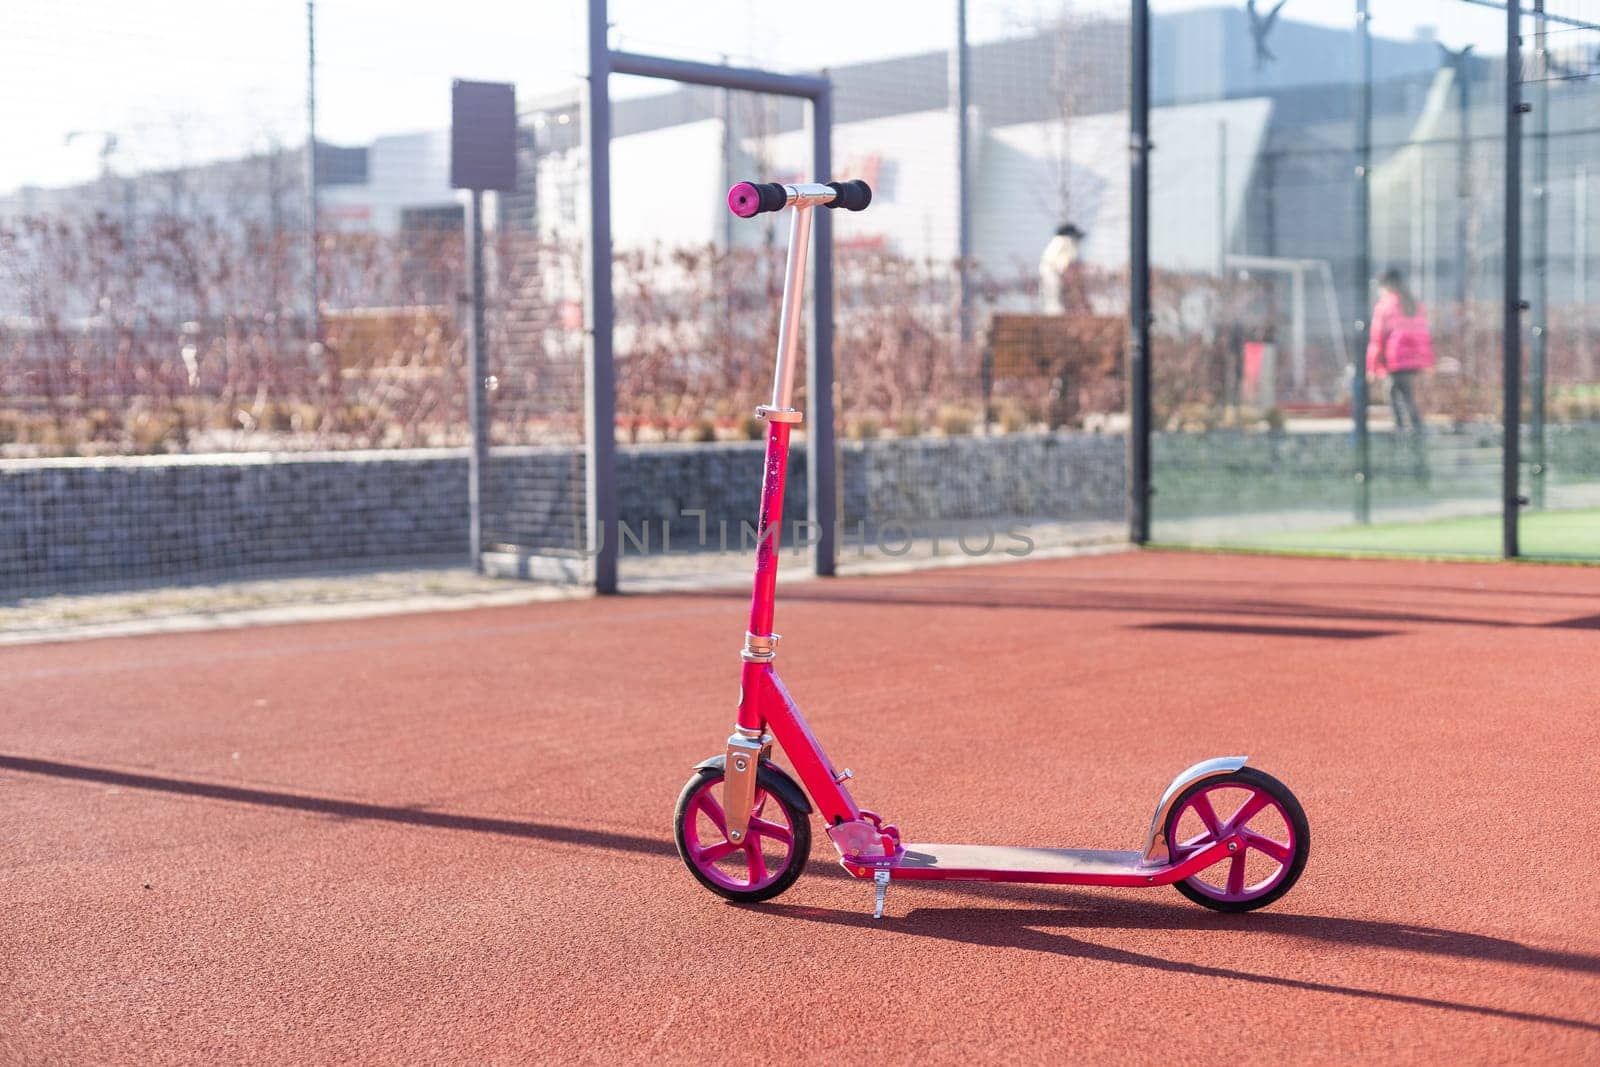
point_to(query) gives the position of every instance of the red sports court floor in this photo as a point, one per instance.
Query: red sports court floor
(447, 837)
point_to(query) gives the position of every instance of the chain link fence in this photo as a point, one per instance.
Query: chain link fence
(1327, 171)
(224, 356)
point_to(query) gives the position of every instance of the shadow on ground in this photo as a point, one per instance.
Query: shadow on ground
(1042, 930)
(1039, 595)
(1033, 929)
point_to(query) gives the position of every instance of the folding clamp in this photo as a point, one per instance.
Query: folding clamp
(760, 648)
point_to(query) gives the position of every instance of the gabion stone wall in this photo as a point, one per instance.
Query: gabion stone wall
(533, 499)
(73, 524)
(119, 522)
(77, 524)
(922, 480)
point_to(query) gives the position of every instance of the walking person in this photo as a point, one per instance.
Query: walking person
(1400, 349)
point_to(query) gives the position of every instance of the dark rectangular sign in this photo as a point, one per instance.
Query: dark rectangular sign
(483, 136)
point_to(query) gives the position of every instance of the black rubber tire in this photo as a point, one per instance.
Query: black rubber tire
(1254, 779)
(777, 785)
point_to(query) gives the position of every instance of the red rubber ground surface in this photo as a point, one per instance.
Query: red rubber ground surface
(447, 837)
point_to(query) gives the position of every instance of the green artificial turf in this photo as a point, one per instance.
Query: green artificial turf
(1569, 534)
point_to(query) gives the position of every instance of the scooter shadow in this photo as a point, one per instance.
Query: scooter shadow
(1045, 930)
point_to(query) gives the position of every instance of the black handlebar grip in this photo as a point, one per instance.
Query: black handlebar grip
(749, 199)
(852, 195)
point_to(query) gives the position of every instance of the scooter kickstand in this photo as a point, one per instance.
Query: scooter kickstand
(880, 890)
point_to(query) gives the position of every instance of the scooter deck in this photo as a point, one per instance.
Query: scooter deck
(1009, 863)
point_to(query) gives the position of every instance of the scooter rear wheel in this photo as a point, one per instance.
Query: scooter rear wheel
(773, 853)
(1262, 810)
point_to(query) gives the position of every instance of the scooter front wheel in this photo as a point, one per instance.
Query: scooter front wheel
(1273, 826)
(775, 848)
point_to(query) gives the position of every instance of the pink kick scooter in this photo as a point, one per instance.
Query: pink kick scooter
(1226, 835)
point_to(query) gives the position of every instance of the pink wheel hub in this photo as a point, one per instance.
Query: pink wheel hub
(755, 863)
(1264, 827)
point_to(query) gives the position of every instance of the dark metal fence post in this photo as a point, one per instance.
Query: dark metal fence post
(477, 396)
(1363, 264)
(1511, 338)
(960, 102)
(1139, 487)
(1540, 320)
(1463, 73)
(821, 486)
(600, 401)
(313, 279)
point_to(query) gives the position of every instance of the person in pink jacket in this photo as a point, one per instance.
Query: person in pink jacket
(1401, 348)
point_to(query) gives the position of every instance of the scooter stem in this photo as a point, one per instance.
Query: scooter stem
(781, 417)
(794, 288)
(759, 685)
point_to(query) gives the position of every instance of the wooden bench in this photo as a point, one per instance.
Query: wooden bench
(1066, 350)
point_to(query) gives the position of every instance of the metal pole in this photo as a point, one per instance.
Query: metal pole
(1139, 488)
(1222, 198)
(1511, 339)
(960, 91)
(1463, 186)
(600, 401)
(725, 116)
(822, 497)
(1227, 395)
(745, 79)
(313, 282)
(1541, 251)
(1418, 200)
(477, 396)
(1580, 256)
(1363, 264)
(794, 288)
(1297, 322)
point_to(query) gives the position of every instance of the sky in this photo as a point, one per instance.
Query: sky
(183, 81)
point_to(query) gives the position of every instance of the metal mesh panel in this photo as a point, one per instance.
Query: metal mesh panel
(697, 299)
(938, 436)
(1265, 272)
(533, 491)
(205, 376)
(214, 368)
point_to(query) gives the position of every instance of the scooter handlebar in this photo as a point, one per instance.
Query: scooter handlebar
(749, 199)
(853, 195)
